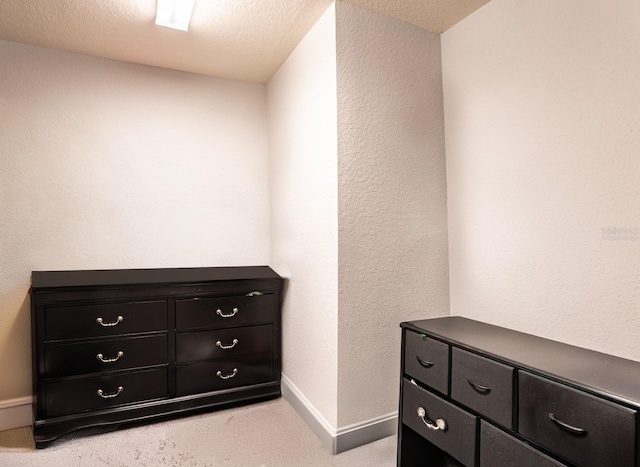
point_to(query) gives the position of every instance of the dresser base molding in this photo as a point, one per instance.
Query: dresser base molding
(342, 439)
(16, 413)
(49, 430)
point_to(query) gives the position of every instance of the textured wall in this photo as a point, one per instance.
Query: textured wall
(304, 226)
(111, 165)
(542, 117)
(393, 263)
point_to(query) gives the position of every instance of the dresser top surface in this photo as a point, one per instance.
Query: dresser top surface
(606, 375)
(111, 277)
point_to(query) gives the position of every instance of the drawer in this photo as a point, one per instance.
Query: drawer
(578, 426)
(483, 385)
(109, 319)
(82, 394)
(223, 374)
(459, 437)
(427, 360)
(104, 355)
(224, 312)
(498, 449)
(203, 345)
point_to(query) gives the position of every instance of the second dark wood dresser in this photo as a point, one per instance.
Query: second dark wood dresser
(117, 346)
(473, 394)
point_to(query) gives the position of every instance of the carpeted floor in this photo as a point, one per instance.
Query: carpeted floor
(268, 434)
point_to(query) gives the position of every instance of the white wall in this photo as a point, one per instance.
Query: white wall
(358, 207)
(304, 225)
(111, 165)
(393, 263)
(542, 117)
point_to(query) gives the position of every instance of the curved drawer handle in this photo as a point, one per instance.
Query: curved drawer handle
(102, 394)
(120, 319)
(226, 347)
(477, 387)
(230, 375)
(233, 313)
(424, 363)
(571, 429)
(110, 360)
(439, 424)
(255, 293)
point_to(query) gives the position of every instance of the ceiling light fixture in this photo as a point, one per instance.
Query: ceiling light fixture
(174, 14)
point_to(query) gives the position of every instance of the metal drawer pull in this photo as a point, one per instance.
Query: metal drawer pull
(109, 360)
(230, 375)
(219, 313)
(439, 424)
(112, 395)
(255, 293)
(120, 319)
(566, 426)
(424, 363)
(477, 387)
(226, 347)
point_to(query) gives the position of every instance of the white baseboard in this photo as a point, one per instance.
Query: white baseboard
(308, 413)
(342, 439)
(15, 413)
(366, 432)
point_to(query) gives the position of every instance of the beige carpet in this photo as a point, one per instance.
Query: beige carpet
(268, 434)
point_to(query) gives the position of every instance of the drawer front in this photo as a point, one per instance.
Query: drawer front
(203, 345)
(498, 449)
(224, 374)
(80, 395)
(483, 385)
(111, 319)
(104, 355)
(427, 360)
(224, 312)
(588, 431)
(459, 437)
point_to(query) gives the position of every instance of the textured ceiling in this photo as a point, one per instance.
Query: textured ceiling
(239, 39)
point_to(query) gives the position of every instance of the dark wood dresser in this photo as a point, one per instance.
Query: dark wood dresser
(118, 346)
(474, 394)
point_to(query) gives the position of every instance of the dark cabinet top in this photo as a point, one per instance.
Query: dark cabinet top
(123, 277)
(615, 378)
